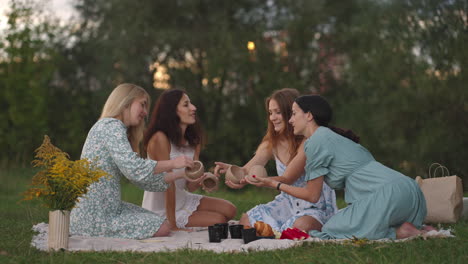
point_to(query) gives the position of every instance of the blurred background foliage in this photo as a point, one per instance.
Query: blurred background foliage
(394, 71)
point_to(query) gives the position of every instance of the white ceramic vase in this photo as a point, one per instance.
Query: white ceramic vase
(59, 226)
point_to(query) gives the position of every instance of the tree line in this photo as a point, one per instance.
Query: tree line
(394, 71)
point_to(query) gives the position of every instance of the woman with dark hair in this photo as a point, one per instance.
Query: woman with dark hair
(382, 203)
(285, 148)
(174, 130)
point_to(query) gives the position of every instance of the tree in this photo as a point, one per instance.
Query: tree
(393, 70)
(202, 44)
(27, 66)
(361, 54)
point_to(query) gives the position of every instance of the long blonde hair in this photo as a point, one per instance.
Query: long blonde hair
(120, 99)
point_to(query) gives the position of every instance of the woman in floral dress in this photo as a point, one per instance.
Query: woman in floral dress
(114, 141)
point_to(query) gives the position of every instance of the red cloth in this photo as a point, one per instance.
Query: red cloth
(294, 234)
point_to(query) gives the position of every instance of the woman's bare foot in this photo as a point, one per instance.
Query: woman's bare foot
(164, 230)
(407, 230)
(428, 228)
(184, 229)
(244, 220)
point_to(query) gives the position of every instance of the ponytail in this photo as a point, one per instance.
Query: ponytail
(322, 112)
(347, 133)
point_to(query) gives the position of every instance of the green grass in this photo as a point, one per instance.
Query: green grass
(17, 219)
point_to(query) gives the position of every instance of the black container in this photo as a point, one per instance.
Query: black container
(236, 231)
(249, 235)
(224, 230)
(214, 233)
(265, 237)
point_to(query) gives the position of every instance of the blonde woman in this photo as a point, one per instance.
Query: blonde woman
(114, 141)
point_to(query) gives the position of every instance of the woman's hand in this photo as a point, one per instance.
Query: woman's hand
(182, 162)
(221, 167)
(196, 184)
(239, 185)
(173, 176)
(262, 182)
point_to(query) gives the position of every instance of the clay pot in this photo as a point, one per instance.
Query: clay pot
(235, 174)
(192, 174)
(210, 183)
(259, 172)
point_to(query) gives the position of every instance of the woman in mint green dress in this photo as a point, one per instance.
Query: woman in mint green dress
(382, 203)
(114, 141)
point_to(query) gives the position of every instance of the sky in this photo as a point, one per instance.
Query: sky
(60, 8)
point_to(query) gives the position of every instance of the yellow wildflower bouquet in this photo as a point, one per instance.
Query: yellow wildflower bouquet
(61, 181)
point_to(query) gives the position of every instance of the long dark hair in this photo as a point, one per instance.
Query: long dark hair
(164, 118)
(285, 98)
(322, 112)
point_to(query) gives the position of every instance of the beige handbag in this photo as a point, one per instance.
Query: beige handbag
(444, 195)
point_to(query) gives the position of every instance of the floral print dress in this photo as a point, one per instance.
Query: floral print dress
(285, 209)
(101, 212)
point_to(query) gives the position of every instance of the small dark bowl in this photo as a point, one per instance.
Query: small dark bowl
(215, 233)
(249, 235)
(224, 229)
(236, 231)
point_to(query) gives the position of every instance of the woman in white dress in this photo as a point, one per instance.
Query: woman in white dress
(280, 144)
(173, 131)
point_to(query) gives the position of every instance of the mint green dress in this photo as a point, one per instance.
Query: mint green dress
(101, 212)
(379, 199)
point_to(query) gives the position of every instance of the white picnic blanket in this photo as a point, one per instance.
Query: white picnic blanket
(197, 240)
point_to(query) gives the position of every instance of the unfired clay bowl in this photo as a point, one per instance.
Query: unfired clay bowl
(210, 183)
(259, 172)
(192, 174)
(235, 174)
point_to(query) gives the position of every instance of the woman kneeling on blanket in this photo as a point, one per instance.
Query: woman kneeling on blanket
(382, 203)
(114, 140)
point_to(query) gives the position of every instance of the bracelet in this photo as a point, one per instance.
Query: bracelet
(278, 186)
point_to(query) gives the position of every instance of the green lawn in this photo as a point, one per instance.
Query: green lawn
(18, 218)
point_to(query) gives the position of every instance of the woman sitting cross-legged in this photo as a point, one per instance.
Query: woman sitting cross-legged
(174, 130)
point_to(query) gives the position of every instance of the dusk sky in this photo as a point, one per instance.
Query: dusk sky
(60, 8)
